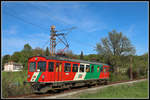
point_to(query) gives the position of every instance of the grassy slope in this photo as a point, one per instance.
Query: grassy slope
(12, 83)
(135, 90)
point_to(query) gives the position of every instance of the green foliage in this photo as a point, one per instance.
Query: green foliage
(16, 56)
(115, 48)
(91, 57)
(47, 52)
(38, 52)
(12, 84)
(5, 59)
(81, 55)
(118, 77)
(27, 47)
(134, 90)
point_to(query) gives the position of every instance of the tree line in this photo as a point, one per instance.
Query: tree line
(114, 50)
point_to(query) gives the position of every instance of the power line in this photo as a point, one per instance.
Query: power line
(23, 20)
(55, 18)
(45, 43)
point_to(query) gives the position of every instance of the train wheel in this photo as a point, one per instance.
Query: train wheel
(106, 82)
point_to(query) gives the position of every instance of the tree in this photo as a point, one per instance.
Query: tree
(114, 47)
(38, 52)
(5, 59)
(81, 55)
(47, 52)
(16, 56)
(27, 47)
(115, 44)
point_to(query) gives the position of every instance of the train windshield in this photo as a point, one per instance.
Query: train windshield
(32, 67)
(41, 66)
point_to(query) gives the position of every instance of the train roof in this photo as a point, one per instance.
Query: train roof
(69, 59)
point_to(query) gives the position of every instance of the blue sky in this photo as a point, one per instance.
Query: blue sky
(29, 22)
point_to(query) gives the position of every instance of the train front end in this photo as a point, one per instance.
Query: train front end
(36, 69)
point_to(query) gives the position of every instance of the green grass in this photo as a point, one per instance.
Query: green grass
(134, 90)
(12, 84)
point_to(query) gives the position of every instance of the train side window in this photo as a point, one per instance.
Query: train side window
(67, 67)
(50, 66)
(87, 68)
(101, 69)
(32, 67)
(41, 66)
(98, 69)
(81, 68)
(92, 68)
(60, 67)
(105, 69)
(75, 68)
(109, 69)
(57, 65)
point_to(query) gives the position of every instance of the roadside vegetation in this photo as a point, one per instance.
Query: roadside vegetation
(115, 50)
(12, 84)
(133, 90)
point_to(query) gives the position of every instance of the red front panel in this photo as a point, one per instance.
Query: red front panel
(39, 74)
(105, 72)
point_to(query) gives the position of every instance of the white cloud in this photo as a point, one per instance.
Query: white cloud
(68, 15)
(12, 43)
(13, 30)
(130, 32)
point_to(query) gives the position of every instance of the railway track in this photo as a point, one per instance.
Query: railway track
(65, 91)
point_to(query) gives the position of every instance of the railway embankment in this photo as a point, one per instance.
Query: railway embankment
(130, 89)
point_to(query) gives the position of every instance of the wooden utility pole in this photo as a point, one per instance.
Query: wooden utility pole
(131, 76)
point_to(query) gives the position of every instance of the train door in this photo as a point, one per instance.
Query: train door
(102, 75)
(50, 72)
(97, 72)
(74, 70)
(92, 71)
(58, 71)
(106, 73)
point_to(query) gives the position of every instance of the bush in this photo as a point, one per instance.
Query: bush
(12, 84)
(118, 77)
(137, 73)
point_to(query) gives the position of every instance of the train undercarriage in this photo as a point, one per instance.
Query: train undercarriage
(41, 87)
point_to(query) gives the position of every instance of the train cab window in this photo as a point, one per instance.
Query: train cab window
(41, 66)
(75, 68)
(32, 67)
(81, 68)
(98, 69)
(87, 68)
(50, 66)
(92, 68)
(67, 67)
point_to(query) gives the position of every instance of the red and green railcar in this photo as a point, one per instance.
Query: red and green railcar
(46, 73)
